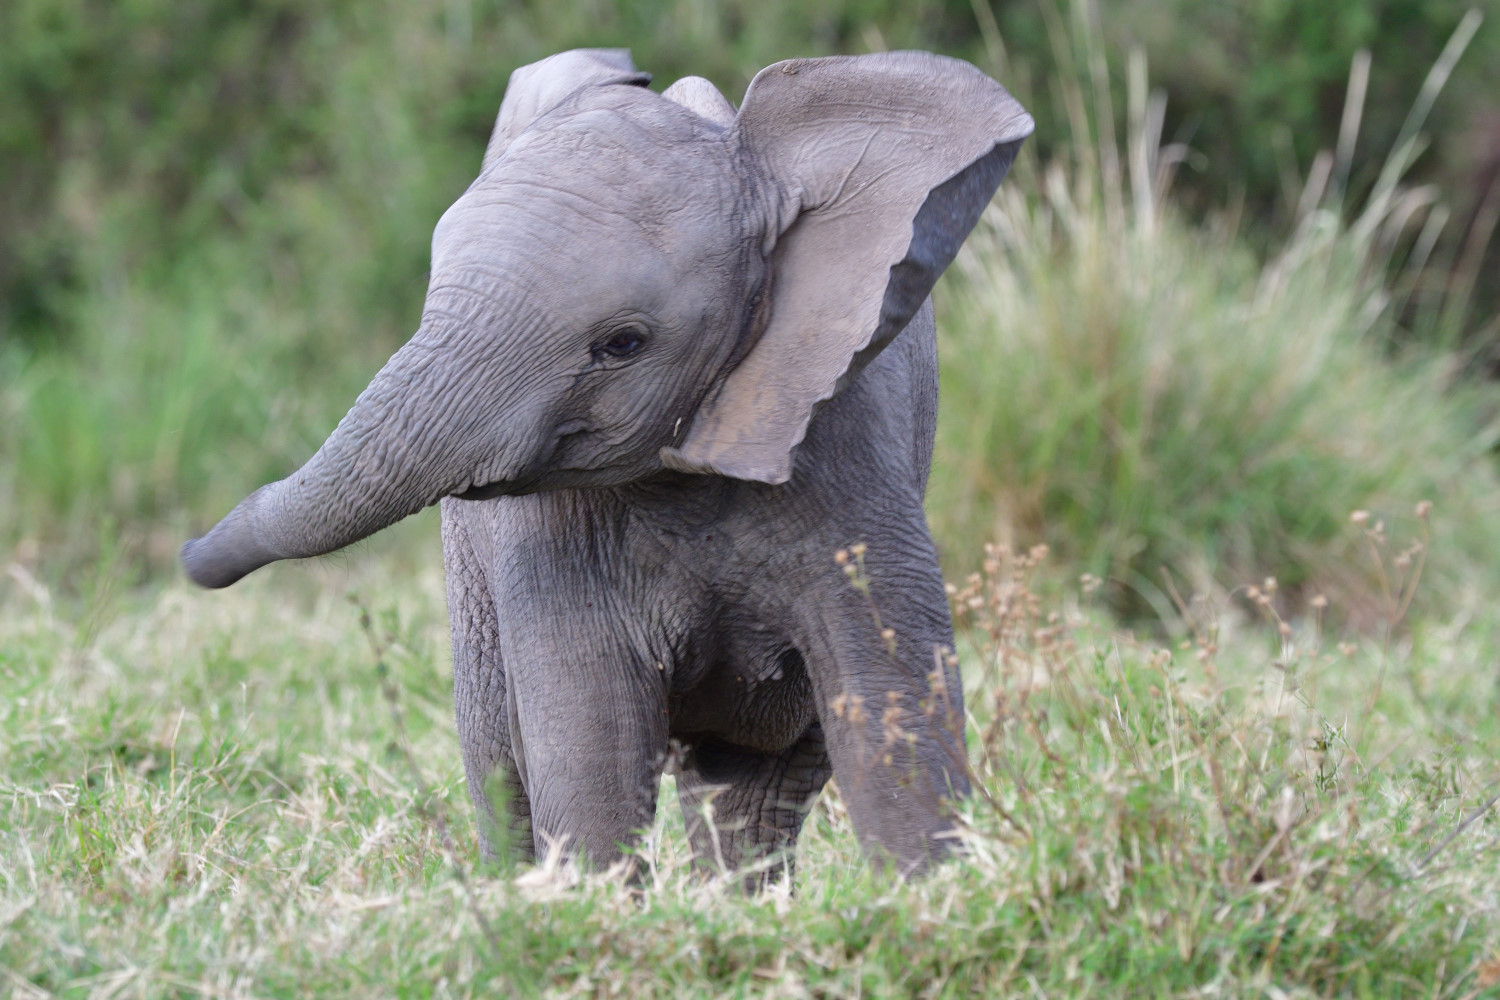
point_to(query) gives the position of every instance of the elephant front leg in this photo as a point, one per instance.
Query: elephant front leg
(745, 808)
(591, 738)
(891, 707)
(480, 704)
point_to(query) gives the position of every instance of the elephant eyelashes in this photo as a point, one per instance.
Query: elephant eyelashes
(624, 342)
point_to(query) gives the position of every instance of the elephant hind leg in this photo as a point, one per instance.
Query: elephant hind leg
(745, 808)
(482, 705)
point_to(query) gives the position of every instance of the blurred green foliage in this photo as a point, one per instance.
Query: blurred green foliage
(1258, 87)
(153, 125)
(214, 217)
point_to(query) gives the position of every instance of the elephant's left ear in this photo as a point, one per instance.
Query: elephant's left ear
(541, 86)
(883, 164)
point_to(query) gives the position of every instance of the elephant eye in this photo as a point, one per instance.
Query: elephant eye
(624, 342)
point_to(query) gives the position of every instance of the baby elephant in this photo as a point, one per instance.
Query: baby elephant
(674, 357)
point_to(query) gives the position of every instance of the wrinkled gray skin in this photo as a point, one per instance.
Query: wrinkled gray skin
(673, 357)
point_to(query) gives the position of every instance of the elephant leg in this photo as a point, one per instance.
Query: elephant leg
(743, 807)
(480, 703)
(591, 737)
(891, 707)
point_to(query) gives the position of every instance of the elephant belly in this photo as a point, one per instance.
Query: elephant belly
(760, 699)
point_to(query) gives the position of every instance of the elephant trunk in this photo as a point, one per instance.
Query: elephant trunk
(403, 446)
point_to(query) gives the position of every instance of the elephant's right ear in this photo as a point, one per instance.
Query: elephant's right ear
(536, 89)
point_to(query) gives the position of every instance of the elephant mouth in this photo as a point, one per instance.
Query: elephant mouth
(537, 473)
(498, 488)
(561, 478)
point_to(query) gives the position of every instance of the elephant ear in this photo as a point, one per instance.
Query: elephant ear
(536, 89)
(883, 164)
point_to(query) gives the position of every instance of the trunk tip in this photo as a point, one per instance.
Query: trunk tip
(209, 568)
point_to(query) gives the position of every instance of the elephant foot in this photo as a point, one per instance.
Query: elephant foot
(744, 808)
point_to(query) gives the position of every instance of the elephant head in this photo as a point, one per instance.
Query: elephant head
(640, 281)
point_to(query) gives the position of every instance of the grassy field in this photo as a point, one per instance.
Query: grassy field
(224, 795)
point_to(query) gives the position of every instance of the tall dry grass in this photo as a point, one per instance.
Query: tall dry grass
(1146, 395)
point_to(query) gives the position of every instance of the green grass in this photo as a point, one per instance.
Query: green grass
(209, 794)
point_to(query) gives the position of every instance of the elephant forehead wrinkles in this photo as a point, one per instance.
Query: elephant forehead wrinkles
(629, 121)
(543, 219)
(461, 300)
(579, 273)
(648, 164)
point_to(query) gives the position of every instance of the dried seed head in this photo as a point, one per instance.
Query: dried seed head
(841, 556)
(1360, 516)
(1424, 508)
(1270, 585)
(857, 549)
(1285, 629)
(1319, 601)
(890, 722)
